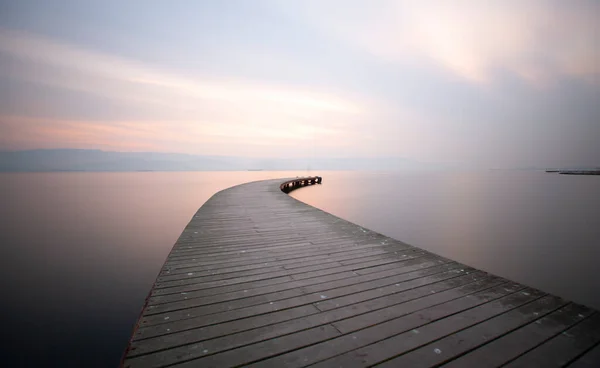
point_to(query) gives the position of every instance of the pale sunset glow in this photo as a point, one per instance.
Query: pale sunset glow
(434, 81)
(474, 39)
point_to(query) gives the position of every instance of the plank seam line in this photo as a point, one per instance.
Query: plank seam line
(301, 255)
(295, 332)
(341, 333)
(310, 285)
(359, 314)
(196, 286)
(574, 360)
(275, 261)
(409, 289)
(478, 323)
(550, 338)
(269, 278)
(507, 333)
(382, 296)
(518, 289)
(373, 288)
(319, 262)
(283, 252)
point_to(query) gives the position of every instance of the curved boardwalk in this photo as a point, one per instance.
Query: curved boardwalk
(258, 278)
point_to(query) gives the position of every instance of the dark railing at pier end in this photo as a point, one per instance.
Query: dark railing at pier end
(293, 184)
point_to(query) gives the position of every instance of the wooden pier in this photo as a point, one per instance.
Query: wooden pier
(260, 279)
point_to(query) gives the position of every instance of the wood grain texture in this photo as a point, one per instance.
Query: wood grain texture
(258, 278)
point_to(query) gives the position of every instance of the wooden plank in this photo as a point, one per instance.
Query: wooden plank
(410, 340)
(512, 345)
(177, 349)
(404, 317)
(290, 289)
(344, 259)
(307, 251)
(321, 287)
(259, 278)
(462, 341)
(563, 348)
(195, 283)
(419, 284)
(312, 257)
(589, 359)
(189, 335)
(388, 313)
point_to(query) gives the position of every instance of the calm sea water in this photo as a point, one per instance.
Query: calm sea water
(80, 251)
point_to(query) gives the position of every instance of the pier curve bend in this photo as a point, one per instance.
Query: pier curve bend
(258, 278)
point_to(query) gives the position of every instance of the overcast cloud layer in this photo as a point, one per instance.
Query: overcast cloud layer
(474, 83)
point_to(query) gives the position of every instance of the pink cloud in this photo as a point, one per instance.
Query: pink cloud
(536, 40)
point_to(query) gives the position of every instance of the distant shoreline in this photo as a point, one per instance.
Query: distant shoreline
(575, 172)
(77, 160)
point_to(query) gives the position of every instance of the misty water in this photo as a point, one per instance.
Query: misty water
(80, 251)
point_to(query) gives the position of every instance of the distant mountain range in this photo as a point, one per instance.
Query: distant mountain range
(97, 160)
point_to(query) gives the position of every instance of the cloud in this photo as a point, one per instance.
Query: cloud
(194, 112)
(38, 49)
(538, 41)
(424, 80)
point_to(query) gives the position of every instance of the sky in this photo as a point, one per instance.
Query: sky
(497, 84)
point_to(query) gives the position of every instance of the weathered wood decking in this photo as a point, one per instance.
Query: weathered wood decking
(258, 278)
